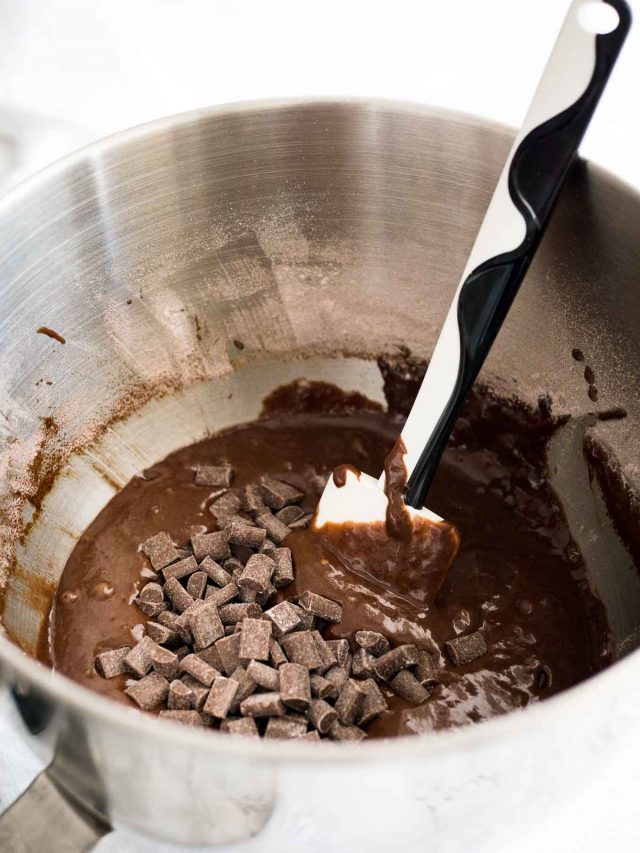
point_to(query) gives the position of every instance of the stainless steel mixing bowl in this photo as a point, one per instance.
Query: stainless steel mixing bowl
(318, 235)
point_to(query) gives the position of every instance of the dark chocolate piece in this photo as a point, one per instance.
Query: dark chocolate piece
(199, 690)
(232, 613)
(263, 705)
(324, 650)
(301, 647)
(340, 732)
(238, 533)
(406, 685)
(220, 699)
(340, 649)
(254, 639)
(214, 475)
(212, 545)
(276, 530)
(197, 584)
(187, 718)
(165, 663)
(284, 727)
(322, 716)
(373, 642)
(215, 572)
(199, 669)
(278, 494)
(350, 702)
(338, 676)
(295, 688)
(466, 649)
(263, 675)
(162, 635)
(289, 514)
(361, 664)
(206, 626)
(181, 569)
(222, 596)
(180, 697)
(276, 655)
(301, 523)
(149, 692)
(229, 651)
(284, 618)
(246, 687)
(374, 702)
(225, 506)
(160, 550)
(178, 595)
(138, 659)
(425, 670)
(321, 688)
(175, 623)
(283, 574)
(257, 573)
(392, 662)
(241, 726)
(111, 663)
(251, 498)
(321, 607)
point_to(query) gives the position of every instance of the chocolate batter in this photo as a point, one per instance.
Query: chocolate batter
(517, 577)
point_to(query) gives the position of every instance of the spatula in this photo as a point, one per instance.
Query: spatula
(537, 166)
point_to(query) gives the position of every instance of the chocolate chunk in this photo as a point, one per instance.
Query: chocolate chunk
(220, 699)
(214, 475)
(284, 727)
(321, 607)
(180, 697)
(289, 514)
(219, 597)
(149, 692)
(373, 642)
(199, 690)
(160, 550)
(321, 688)
(257, 573)
(276, 530)
(425, 670)
(111, 663)
(392, 662)
(301, 647)
(361, 664)
(466, 649)
(215, 572)
(199, 669)
(263, 675)
(350, 702)
(181, 569)
(225, 506)
(340, 649)
(278, 494)
(187, 718)
(276, 655)
(254, 639)
(284, 618)
(212, 545)
(268, 547)
(295, 688)
(374, 702)
(206, 626)
(162, 635)
(138, 659)
(322, 716)
(263, 705)
(244, 534)
(340, 732)
(313, 735)
(229, 651)
(262, 598)
(307, 620)
(301, 523)
(151, 593)
(197, 584)
(325, 652)
(232, 613)
(338, 676)
(251, 498)
(211, 656)
(231, 564)
(406, 685)
(177, 624)
(165, 663)
(283, 574)
(148, 608)
(178, 595)
(246, 687)
(241, 726)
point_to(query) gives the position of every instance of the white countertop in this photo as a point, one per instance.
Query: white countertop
(72, 71)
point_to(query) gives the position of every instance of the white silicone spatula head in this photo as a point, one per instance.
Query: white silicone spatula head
(538, 163)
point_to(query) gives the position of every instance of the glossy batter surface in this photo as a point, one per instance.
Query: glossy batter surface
(517, 577)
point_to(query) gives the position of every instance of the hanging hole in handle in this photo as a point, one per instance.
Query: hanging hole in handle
(598, 17)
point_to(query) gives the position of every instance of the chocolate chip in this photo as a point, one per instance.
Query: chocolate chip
(406, 685)
(160, 550)
(227, 505)
(263, 675)
(148, 608)
(197, 584)
(301, 523)
(162, 635)
(425, 670)
(361, 663)
(374, 702)
(200, 691)
(178, 595)
(212, 545)
(206, 626)
(321, 688)
(165, 662)
(257, 573)
(340, 732)
(392, 662)
(232, 613)
(175, 623)
(180, 697)
(284, 727)
(187, 718)
(321, 607)
(276, 530)
(220, 576)
(295, 688)
(466, 649)
(289, 514)
(340, 649)
(276, 655)
(111, 663)
(254, 639)
(211, 656)
(283, 574)
(301, 648)
(268, 547)
(350, 702)
(262, 598)
(278, 494)
(149, 692)
(241, 726)
(151, 593)
(251, 498)
(244, 534)
(181, 569)
(373, 642)
(284, 618)
(307, 620)
(199, 669)
(263, 705)
(322, 716)
(246, 687)
(219, 597)
(229, 650)
(138, 659)
(324, 650)
(220, 699)
(338, 676)
(214, 475)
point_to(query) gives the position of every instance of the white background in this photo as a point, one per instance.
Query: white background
(75, 70)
